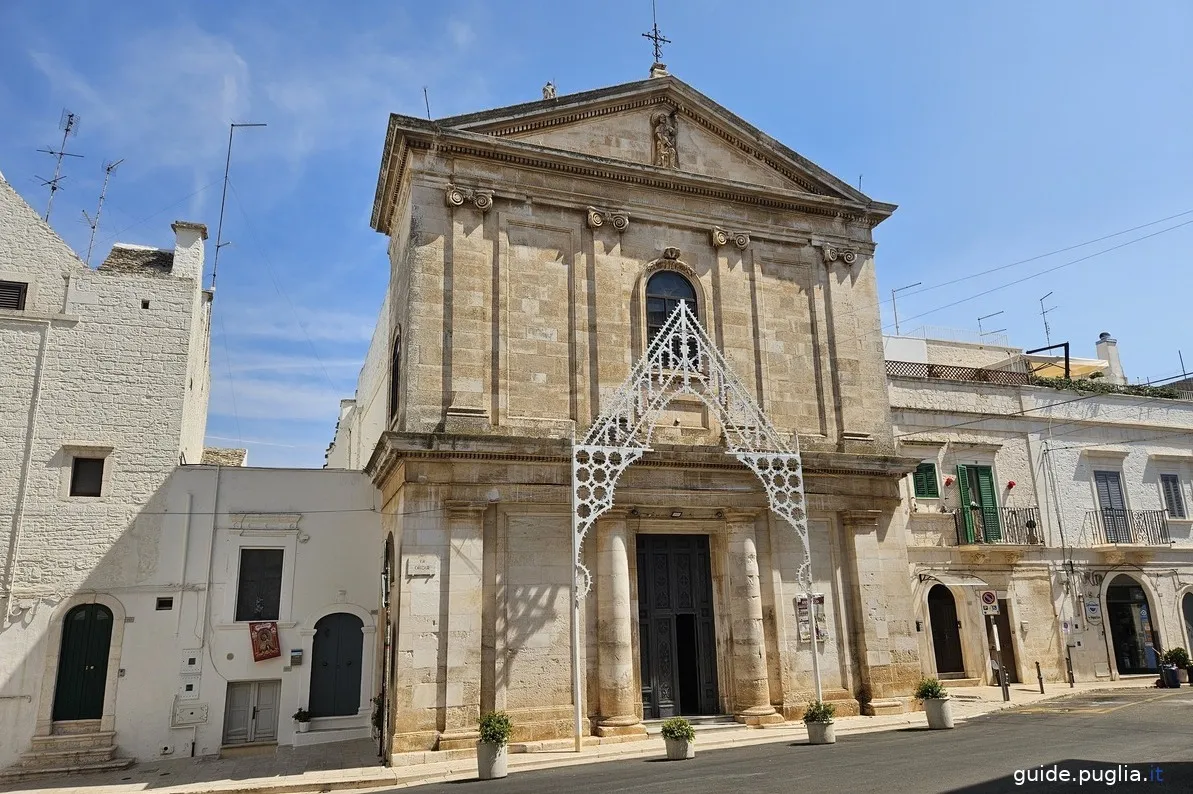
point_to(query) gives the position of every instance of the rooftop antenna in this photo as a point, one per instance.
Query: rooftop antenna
(109, 167)
(895, 308)
(859, 182)
(1184, 375)
(427, 102)
(69, 124)
(219, 231)
(655, 36)
(982, 333)
(1044, 314)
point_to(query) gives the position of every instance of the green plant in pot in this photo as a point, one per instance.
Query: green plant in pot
(680, 737)
(937, 703)
(302, 720)
(492, 754)
(818, 719)
(1179, 658)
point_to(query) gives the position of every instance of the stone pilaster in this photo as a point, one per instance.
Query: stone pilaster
(751, 680)
(886, 645)
(462, 632)
(619, 698)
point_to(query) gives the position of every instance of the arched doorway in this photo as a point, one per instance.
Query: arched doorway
(336, 666)
(1187, 609)
(946, 636)
(83, 663)
(1132, 627)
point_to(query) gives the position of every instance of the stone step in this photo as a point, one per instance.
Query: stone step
(41, 759)
(22, 773)
(74, 741)
(953, 683)
(70, 727)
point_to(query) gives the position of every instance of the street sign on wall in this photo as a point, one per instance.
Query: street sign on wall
(989, 602)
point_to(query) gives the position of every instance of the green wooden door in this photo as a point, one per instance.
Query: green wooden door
(83, 663)
(991, 528)
(967, 514)
(976, 487)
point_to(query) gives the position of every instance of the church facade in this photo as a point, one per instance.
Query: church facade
(535, 252)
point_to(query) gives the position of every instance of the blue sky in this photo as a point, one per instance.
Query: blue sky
(1003, 130)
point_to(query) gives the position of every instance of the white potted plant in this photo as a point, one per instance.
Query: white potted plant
(818, 718)
(680, 737)
(492, 756)
(937, 703)
(302, 720)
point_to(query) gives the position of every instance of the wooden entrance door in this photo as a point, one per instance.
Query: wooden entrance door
(676, 637)
(83, 663)
(946, 634)
(335, 666)
(251, 712)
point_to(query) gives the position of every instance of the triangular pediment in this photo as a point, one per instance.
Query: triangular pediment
(661, 122)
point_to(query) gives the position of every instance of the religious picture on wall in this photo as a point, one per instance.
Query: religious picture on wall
(265, 641)
(805, 631)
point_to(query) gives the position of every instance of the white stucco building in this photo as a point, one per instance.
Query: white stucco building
(1071, 501)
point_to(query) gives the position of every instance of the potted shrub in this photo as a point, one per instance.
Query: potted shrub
(492, 755)
(681, 739)
(937, 704)
(818, 718)
(1180, 658)
(302, 720)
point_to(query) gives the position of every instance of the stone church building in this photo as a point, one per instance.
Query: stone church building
(535, 251)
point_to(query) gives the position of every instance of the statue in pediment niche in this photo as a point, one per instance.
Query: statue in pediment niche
(665, 133)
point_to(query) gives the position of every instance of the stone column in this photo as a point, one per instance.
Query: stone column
(751, 679)
(462, 632)
(883, 610)
(621, 713)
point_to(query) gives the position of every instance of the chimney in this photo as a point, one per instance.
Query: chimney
(1108, 352)
(188, 249)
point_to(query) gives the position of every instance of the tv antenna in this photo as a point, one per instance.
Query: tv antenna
(1044, 314)
(982, 333)
(654, 35)
(427, 102)
(895, 307)
(69, 124)
(94, 222)
(219, 231)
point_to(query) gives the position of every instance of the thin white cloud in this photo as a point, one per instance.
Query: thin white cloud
(461, 32)
(310, 399)
(280, 323)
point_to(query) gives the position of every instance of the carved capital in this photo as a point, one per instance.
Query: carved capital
(832, 253)
(722, 237)
(456, 196)
(618, 219)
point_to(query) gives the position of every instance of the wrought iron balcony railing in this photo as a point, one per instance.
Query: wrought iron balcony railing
(1011, 526)
(1128, 527)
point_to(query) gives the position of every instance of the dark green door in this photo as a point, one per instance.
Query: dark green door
(83, 663)
(335, 666)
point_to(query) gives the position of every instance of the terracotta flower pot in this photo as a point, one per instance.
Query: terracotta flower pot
(492, 760)
(821, 733)
(940, 713)
(680, 749)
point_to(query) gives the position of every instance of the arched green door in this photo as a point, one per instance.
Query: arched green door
(83, 663)
(336, 665)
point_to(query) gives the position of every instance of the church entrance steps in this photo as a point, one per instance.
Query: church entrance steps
(703, 725)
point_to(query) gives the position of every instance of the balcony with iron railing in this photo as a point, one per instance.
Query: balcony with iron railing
(1126, 528)
(1013, 526)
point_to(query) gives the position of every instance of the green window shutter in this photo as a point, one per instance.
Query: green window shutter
(989, 504)
(1172, 495)
(925, 481)
(966, 513)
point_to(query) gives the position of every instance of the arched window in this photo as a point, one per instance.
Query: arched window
(395, 374)
(664, 291)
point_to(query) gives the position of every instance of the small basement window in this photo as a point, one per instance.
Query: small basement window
(144, 304)
(165, 604)
(87, 477)
(12, 295)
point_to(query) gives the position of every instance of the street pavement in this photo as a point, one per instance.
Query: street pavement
(1091, 735)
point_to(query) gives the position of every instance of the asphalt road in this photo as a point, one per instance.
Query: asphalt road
(1094, 733)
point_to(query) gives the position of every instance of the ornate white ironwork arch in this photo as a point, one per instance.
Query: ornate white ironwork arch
(682, 359)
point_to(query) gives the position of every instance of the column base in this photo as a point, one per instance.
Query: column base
(620, 726)
(759, 715)
(458, 740)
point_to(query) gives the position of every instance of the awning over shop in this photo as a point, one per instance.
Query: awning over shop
(953, 578)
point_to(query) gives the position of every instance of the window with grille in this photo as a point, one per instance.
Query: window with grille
(924, 479)
(12, 295)
(1174, 501)
(87, 477)
(259, 590)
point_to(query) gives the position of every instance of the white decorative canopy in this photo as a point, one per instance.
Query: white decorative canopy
(682, 359)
